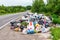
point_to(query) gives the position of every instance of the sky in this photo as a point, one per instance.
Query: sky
(16, 2)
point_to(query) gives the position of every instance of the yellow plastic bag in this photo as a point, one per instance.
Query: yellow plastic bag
(16, 29)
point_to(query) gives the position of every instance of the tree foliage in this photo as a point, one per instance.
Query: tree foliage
(28, 7)
(53, 6)
(11, 9)
(38, 6)
(35, 6)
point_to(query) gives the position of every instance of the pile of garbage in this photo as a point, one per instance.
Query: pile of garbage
(32, 23)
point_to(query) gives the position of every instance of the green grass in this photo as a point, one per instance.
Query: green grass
(55, 32)
(9, 13)
(11, 9)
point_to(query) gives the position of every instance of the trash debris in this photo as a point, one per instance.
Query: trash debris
(16, 29)
(24, 31)
(32, 23)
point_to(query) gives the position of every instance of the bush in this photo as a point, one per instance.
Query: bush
(11, 9)
(22, 9)
(48, 14)
(2, 11)
(54, 15)
(24, 23)
(56, 20)
(55, 32)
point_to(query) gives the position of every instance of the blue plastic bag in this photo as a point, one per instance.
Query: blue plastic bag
(30, 31)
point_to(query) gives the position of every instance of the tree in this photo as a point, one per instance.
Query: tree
(11, 9)
(53, 6)
(28, 7)
(42, 6)
(35, 6)
(38, 6)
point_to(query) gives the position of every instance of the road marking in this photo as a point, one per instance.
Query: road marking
(7, 23)
(11, 20)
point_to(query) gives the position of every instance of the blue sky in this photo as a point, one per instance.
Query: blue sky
(16, 2)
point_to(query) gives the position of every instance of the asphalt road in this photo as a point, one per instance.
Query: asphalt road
(8, 34)
(6, 18)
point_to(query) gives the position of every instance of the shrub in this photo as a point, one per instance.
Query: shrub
(22, 9)
(56, 20)
(55, 32)
(54, 15)
(24, 23)
(2, 11)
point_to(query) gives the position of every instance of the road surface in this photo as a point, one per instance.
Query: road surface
(7, 34)
(6, 18)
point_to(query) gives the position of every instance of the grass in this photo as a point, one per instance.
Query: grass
(55, 32)
(5, 13)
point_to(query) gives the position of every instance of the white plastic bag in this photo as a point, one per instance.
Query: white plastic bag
(24, 31)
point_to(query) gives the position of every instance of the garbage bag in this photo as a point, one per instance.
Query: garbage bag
(16, 29)
(30, 28)
(30, 31)
(18, 24)
(21, 27)
(40, 22)
(24, 31)
(46, 25)
(15, 23)
(43, 30)
(38, 27)
(34, 22)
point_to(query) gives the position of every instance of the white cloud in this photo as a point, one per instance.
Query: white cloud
(45, 1)
(15, 2)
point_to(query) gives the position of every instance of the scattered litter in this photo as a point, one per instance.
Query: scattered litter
(32, 23)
